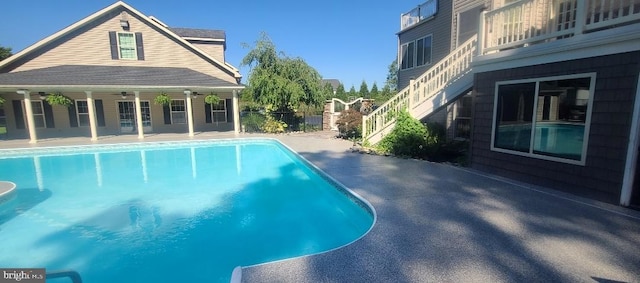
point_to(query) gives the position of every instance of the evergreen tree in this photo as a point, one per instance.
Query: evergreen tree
(352, 93)
(341, 93)
(364, 90)
(374, 94)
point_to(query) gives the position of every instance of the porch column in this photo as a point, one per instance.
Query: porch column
(31, 124)
(93, 125)
(236, 113)
(139, 115)
(189, 112)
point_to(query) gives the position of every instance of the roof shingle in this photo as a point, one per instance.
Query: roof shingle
(78, 75)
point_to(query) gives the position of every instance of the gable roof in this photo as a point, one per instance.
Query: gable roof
(150, 21)
(110, 77)
(199, 33)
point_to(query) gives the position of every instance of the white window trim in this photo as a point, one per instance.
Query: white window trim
(224, 104)
(44, 118)
(583, 157)
(414, 60)
(430, 36)
(78, 112)
(135, 46)
(184, 111)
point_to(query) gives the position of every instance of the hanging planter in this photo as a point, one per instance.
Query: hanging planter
(58, 99)
(212, 99)
(1, 101)
(163, 99)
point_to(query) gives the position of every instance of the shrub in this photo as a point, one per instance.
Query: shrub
(253, 122)
(407, 137)
(273, 126)
(350, 124)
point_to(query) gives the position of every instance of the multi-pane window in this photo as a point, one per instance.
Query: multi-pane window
(127, 45)
(545, 118)
(219, 112)
(82, 111)
(38, 114)
(423, 51)
(407, 50)
(178, 111)
(416, 53)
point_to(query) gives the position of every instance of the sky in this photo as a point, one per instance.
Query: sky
(348, 40)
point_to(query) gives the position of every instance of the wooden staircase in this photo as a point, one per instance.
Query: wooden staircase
(437, 87)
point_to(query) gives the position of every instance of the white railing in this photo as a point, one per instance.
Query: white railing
(528, 22)
(424, 11)
(420, 90)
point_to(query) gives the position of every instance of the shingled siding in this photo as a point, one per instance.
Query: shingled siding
(440, 29)
(601, 177)
(90, 46)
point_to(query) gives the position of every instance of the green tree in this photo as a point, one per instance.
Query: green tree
(327, 91)
(352, 93)
(341, 93)
(280, 82)
(364, 90)
(5, 52)
(392, 76)
(374, 93)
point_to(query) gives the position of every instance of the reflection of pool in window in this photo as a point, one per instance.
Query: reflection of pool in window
(562, 140)
(559, 140)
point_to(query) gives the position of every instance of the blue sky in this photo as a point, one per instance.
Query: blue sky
(349, 40)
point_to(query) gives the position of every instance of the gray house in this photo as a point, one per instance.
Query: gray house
(547, 92)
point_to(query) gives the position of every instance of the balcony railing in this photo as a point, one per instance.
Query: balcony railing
(424, 11)
(528, 22)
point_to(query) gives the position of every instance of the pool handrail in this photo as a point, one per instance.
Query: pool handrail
(72, 274)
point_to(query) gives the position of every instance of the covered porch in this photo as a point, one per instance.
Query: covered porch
(116, 100)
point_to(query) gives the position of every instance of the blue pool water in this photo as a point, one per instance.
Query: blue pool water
(170, 212)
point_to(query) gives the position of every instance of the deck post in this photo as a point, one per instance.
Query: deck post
(481, 34)
(581, 13)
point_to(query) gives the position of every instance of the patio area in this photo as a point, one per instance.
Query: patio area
(439, 223)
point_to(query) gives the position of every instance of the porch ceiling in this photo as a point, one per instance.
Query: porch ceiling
(86, 77)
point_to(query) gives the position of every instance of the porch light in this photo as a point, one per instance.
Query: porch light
(195, 94)
(42, 95)
(124, 24)
(124, 95)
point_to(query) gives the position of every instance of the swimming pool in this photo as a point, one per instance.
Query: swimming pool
(171, 212)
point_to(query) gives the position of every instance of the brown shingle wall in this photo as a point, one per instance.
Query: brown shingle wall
(601, 177)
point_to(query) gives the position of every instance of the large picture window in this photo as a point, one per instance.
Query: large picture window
(546, 118)
(178, 111)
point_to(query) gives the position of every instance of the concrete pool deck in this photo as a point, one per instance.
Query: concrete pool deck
(439, 223)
